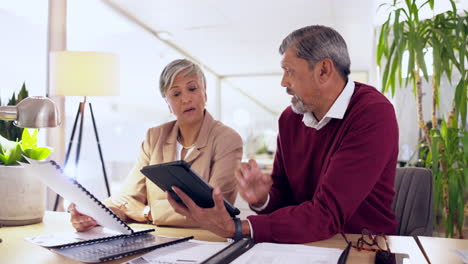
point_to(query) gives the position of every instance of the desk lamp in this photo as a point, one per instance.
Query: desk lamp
(32, 112)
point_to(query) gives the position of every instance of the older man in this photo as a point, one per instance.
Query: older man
(336, 156)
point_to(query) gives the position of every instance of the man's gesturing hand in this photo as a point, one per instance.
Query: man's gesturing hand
(254, 185)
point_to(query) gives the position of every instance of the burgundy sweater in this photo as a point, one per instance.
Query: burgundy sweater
(338, 178)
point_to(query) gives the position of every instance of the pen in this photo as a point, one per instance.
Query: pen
(344, 255)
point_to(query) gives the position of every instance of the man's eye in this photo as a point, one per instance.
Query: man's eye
(192, 89)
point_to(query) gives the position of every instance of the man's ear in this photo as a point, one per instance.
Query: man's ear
(326, 69)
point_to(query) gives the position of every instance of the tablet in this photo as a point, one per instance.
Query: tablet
(178, 173)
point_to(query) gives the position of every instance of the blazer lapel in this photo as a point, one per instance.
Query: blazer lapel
(202, 138)
(170, 144)
(193, 155)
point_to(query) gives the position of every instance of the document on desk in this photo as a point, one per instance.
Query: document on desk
(190, 252)
(264, 253)
(463, 254)
(62, 238)
(194, 252)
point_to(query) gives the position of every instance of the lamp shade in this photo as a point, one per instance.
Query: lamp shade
(77, 73)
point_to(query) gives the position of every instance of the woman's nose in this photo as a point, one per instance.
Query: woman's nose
(186, 97)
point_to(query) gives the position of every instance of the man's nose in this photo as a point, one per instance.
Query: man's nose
(284, 82)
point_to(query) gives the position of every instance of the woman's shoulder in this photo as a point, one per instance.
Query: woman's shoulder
(160, 130)
(162, 127)
(221, 132)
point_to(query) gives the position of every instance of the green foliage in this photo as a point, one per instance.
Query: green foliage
(445, 150)
(262, 150)
(450, 172)
(445, 33)
(13, 151)
(7, 129)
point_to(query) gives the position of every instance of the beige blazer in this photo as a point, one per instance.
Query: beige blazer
(218, 150)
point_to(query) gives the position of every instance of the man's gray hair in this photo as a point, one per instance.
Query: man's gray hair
(315, 43)
(175, 67)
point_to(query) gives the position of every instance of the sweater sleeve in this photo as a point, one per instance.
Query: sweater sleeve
(355, 168)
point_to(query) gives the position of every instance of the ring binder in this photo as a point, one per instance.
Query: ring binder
(70, 189)
(107, 246)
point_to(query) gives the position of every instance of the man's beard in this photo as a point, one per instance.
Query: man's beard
(298, 107)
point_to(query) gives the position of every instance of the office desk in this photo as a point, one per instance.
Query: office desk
(14, 249)
(440, 250)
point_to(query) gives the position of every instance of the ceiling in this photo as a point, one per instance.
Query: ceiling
(242, 37)
(238, 40)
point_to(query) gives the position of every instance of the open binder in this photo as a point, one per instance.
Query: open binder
(111, 240)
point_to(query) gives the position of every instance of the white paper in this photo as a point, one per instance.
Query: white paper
(463, 254)
(190, 252)
(57, 239)
(287, 253)
(64, 186)
(194, 252)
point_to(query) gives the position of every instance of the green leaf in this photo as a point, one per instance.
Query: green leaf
(23, 93)
(461, 100)
(465, 172)
(38, 153)
(420, 57)
(465, 144)
(435, 150)
(13, 155)
(12, 152)
(28, 140)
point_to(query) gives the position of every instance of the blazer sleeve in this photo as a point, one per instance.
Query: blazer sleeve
(226, 156)
(134, 186)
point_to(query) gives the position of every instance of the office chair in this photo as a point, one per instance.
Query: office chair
(413, 201)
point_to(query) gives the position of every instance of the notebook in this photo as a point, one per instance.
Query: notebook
(112, 239)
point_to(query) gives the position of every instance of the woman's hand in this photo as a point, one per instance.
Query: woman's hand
(216, 219)
(254, 185)
(131, 208)
(80, 221)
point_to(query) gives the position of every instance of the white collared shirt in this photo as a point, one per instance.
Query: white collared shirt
(337, 110)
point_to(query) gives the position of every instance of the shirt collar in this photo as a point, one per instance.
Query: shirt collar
(337, 110)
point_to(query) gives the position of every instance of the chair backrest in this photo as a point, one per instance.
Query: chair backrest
(413, 201)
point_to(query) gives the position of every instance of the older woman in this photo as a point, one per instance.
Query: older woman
(212, 149)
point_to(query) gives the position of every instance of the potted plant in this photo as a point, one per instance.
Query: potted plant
(23, 195)
(445, 144)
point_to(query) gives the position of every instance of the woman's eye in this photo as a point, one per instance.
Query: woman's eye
(176, 94)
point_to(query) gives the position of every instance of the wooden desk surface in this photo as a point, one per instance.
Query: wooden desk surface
(14, 249)
(440, 250)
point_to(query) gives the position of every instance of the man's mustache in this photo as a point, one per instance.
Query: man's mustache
(289, 91)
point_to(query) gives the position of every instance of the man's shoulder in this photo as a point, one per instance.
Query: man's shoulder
(364, 93)
(367, 97)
